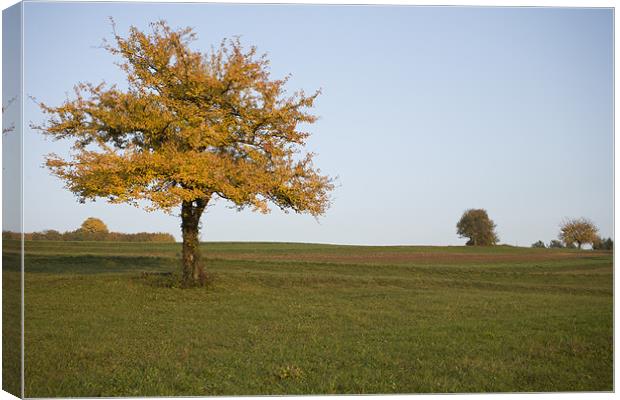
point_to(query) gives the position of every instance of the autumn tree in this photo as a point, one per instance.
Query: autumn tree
(579, 230)
(93, 225)
(476, 225)
(190, 128)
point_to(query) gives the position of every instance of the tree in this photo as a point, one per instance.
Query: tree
(190, 128)
(555, 244)
(580, 231)
(476, 225)
(93, 225)
(52, 234)
(539, 245)
(603, 244)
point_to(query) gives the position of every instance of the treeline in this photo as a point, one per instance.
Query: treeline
(597, 244)
(92, 229)
(52, 234)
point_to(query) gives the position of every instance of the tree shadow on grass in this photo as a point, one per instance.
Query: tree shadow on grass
(171, 280)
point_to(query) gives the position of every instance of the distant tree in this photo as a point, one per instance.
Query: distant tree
(9, 235)
(93, 225)
(49, 234)
(603, 244)
(539, 245)
(476, 225)
(190, 128)
(34, 236)
(556, 244)
(52, 234)
(98, 233)
(579, 231)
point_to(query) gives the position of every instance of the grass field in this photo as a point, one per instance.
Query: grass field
(303, 319)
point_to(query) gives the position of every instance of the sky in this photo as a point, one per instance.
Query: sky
(11, 105)
(424, 113)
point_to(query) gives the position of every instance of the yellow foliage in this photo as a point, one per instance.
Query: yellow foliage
(579, 230)
(93, 225)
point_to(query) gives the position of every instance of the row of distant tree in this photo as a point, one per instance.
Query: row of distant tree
(576, 232)
(479, 229)
(92, 229)
(598, 244)
(475, 225)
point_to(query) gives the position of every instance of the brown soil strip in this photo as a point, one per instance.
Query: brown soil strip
(403, 258)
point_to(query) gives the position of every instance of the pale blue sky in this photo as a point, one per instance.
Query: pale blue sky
(425, 112)
(11, 102)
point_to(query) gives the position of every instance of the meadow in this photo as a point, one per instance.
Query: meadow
(284, 318)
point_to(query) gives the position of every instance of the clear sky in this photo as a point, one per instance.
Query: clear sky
(11, 104)
(425, 112)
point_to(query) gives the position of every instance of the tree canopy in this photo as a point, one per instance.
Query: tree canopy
(476, 225)
(189, 126)
(603, 244)
(578, 230)
(555, 244)
(93, 225)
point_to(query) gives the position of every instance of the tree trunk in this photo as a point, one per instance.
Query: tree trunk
(191, 211)
(579, 245)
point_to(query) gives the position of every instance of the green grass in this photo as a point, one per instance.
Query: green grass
(11, 319)
(285, 318)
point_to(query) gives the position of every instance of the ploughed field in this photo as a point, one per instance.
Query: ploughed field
(283, 318)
